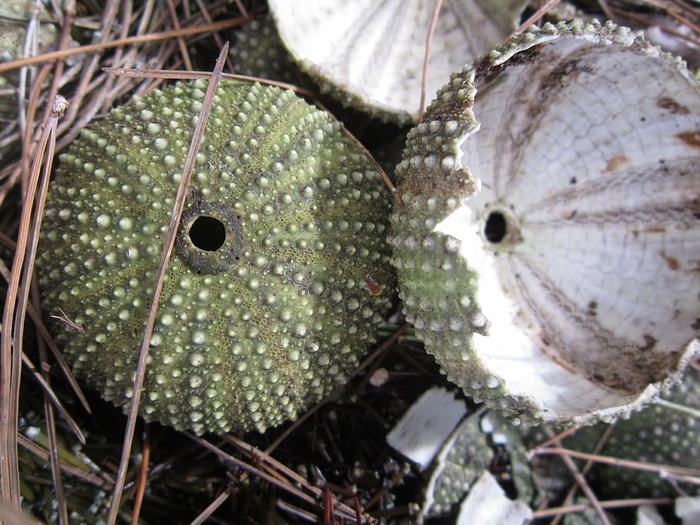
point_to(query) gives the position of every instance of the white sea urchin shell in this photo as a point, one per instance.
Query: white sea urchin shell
(373, 50)
(567, 287)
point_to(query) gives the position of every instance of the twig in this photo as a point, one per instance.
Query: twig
(15, 306)
(151, 37)
(143, 477)
(211, 508)
(627, 463)
(586, 469)
(287, 486)
(611, 504)
(583, 484)
(537, 15)
(104, 482)
(426, 59)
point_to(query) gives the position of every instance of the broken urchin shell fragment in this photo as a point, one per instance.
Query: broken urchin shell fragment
(370, 53)
(664, 433)
(264, 308)
(547, 241)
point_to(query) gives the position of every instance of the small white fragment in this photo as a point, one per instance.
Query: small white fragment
(688, 510)
(32, 433)
(648, 515)
(424, 428)
(379, 377)
(486, 503)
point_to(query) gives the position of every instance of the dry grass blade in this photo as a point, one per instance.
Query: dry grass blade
(611, 504)
(151, 37)
(211, 508)
(582, 482)
(342, 511)
(62, 506)
(184, 53)
(16, 303)
(143, 73)
(426, 59)
(586, 468)
(537, 16)
(690, 411)
(53, 398)
(178, 207)
(273, 466)
(143, 477)
(103, 481)
(626, 463)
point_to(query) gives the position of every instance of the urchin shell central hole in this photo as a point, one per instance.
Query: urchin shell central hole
(495, 228)
(207, 233)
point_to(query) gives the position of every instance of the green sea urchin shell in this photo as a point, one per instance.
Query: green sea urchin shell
(664, 433)
(265, 307)
(547, 252)
(259, 52)
(661, 434)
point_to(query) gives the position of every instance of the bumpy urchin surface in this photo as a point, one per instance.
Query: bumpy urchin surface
(661, 434)
(265, 307)
(664, 434)
(549, 260)
(259, 52)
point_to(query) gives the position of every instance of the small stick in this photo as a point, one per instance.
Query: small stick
(683, 471)
(537, 15)
(16, 301)
(143, 476)
(586, 469)
(426, 59)
(583, 484)
(611, 504)
(211, 508)
(151, 37)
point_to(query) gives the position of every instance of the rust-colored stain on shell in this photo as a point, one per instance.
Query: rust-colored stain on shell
(671, 105)
(671, 262)
(372, 285)
(691, 138)
(615, 163)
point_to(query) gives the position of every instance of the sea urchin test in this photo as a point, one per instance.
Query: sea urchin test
(548, 245)
(265, 308)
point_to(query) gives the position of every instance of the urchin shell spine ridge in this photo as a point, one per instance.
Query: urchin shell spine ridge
(264, 308)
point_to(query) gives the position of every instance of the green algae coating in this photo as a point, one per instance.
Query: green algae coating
(265, 307)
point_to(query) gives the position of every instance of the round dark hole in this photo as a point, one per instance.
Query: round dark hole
(495, 229)
(207, 233)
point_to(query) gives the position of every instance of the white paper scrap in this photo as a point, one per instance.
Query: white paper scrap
(423, 429)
